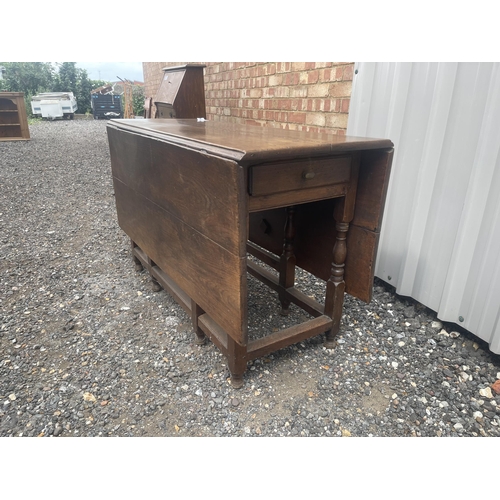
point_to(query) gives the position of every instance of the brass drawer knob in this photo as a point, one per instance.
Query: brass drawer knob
(308, 175)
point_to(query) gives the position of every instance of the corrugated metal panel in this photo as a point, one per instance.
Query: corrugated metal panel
(440, 240)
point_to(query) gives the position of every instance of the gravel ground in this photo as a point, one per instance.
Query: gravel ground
(88, 348)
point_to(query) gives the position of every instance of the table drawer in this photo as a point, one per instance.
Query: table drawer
(280, 177)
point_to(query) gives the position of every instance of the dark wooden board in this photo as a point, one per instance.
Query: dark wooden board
(373, 182)
(249, 145)
(202, 190)
(211, 275)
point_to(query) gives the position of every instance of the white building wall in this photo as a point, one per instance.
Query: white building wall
(440, 239)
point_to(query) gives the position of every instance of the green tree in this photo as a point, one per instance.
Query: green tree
(28, 77)
(138, 99)
(76, 80)
(67, 78)
(83, 91)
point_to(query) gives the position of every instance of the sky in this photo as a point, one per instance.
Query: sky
(113, 71)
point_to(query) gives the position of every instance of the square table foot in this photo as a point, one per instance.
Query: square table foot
(330, 344)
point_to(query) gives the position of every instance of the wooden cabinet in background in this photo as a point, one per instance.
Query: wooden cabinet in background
(181, 93)
(13, 119)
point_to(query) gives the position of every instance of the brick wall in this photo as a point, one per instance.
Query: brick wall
(302, 96)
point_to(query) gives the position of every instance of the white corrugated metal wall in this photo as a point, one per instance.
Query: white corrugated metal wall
(440, 239)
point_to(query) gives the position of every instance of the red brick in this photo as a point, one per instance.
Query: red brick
(295, 117)
(285, 104)
(291, 79)
(269, 92)
(313, 77)
(325, 75)
(348, 72)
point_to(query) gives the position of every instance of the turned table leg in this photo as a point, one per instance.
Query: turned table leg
(343, 214)
(287, 261)
(335, 286)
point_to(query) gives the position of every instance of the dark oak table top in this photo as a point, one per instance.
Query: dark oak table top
(247, 143)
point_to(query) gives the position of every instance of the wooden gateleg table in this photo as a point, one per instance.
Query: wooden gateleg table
(197, 197)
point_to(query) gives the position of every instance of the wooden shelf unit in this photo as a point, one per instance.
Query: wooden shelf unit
(13, 118)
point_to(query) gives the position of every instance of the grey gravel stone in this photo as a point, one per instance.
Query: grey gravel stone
(88, 348)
